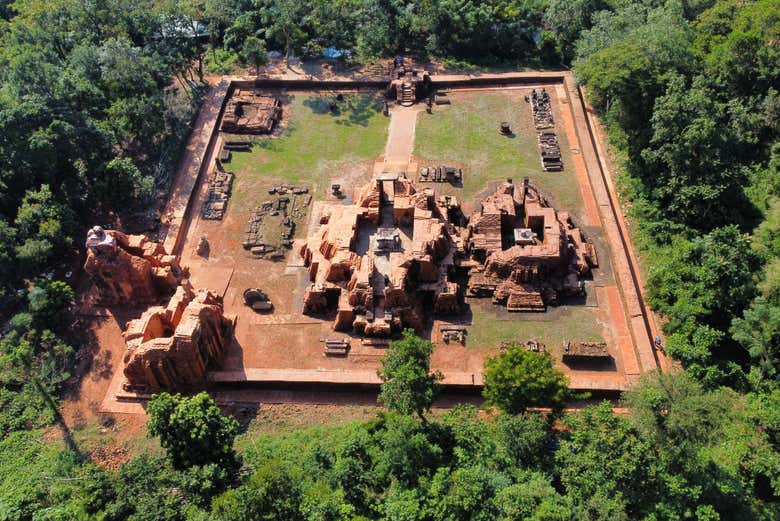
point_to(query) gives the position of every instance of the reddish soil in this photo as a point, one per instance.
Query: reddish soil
(591, 208)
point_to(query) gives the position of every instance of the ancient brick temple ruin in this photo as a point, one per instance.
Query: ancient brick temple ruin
(383, 260)
(129, 269)
(249, 112)
(168, 347)
(173, 347)
(399, 255)
(528, 254)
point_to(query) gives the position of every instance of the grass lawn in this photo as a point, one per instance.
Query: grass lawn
(287, 418)
(314, 145)
(466, 132)
(294, 433)
(491, 326)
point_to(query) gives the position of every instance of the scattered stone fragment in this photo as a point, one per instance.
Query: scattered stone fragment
(217, 196)
(284, 213)
(541, 109)
(440, 174)
(257, 299)
(336, 347)
(550, 151)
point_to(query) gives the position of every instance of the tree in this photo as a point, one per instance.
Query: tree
(7, 258)
(408, 386)
(759, 332)
(770, 282)
(271, 494)
(47, 299)
(192, 431)
(120, 181)
(603, 457)
(518, 379)
(36, 359)
(465, 493)
(527, 439)
(39, 357)
(409, 449)
(254, 52)
(532, 498)
(688, 165)
(701, 286)
(284, 21)
(352, 470)
(623, 58)
(567, 19)
(44, 224)
(709, 453)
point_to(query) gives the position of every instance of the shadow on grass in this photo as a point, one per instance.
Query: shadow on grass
(605, 365)
(351, 109)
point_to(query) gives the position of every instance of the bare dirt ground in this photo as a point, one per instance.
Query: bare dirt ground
(106, 438)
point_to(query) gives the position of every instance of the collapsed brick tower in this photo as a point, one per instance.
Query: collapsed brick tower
(528, 254)
(381, 261)
(399, 255)
(129, 269)
(173, 347)
(167, 347)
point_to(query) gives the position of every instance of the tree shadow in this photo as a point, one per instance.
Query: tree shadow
(59, 420)
(347, 109)
(244, 412)
(583, 364)
(102, 368)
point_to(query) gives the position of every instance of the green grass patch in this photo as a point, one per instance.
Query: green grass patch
(466, 132)
(491, 326)
(294, 445)
(314, 145)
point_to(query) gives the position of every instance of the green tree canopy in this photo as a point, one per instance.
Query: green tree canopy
(254, 52)
(192, 431)
(408, 386)
(518, 379)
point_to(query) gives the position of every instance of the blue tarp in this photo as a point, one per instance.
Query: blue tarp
(332, 52)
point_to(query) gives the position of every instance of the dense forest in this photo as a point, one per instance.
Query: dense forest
(96, 99)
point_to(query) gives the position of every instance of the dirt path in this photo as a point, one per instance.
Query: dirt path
(400, 136)
(192, 162)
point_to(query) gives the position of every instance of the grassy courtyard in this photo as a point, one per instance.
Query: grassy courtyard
(491, 325)
(314, 145)
(466, 132)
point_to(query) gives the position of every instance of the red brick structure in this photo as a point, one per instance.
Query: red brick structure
(531, 253)
(411, 250)
(129, 269)
(409, 85)
(173, 347)
(249, 112)
(398, 256)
